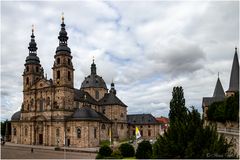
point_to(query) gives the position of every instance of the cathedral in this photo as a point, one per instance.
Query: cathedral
(54, 113)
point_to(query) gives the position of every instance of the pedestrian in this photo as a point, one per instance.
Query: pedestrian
(31, 150)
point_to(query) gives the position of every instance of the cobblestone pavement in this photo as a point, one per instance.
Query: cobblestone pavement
(14, 152)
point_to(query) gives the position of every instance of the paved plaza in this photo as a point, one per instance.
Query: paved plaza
(17, 152)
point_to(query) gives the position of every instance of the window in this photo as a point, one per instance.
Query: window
(133, 132)
(149, 133)
(69, 76)
(149, 126)
(97, 94)
(121, 114)
(141, 132)
(14, 131)
(27, 81)
(121, 126)
(37, 69)
(48, 101)
(103, 126)
(27, 68)
(58, 74)
(57, 132)
(78, 133)
(95, 132)
(58, 60)
(41, 104)
(69, 61)
(141, 126)
(26, 131)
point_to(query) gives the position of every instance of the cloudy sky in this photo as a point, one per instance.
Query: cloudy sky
(147, 48)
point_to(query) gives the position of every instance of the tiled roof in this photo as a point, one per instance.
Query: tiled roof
(111, 99)
(163, 120)
(141, 119)
(79, 96)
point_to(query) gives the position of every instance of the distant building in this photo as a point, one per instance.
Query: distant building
(230, 129)
(146, 123)
(54, 113)
(164, 124)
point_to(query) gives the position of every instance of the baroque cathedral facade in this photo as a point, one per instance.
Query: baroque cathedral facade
(54, 113)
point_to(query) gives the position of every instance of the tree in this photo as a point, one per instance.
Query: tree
(186, 137)
(104, 151)
(226, 110)
(127, 150)
(144, 150)
(177, 105)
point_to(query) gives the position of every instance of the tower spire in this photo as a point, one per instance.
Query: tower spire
(63, 38)
(113, 90)
(93, 68)
(218, 91)
(32, 57)
(234, 78)
(32, 45)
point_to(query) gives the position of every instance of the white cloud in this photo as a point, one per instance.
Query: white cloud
(146, 47)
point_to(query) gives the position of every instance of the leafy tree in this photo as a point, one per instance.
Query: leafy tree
(177, 105)
(226, 110)
(104, 151)
(127, 150)
(186, 137)
(144, 150)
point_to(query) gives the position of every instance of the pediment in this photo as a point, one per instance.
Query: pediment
(42, 83)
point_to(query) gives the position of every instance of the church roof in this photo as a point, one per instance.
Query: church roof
(87, 113)
(16, 116)
(207, 101)
(218, 92)
(93, 80)
(234, 78)
(79, 96)
(111, 99)
(141, 119)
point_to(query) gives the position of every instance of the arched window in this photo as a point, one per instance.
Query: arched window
(27, 68)
(27, 81)
(103, 126)
(48, 101)
(41, 104)
(78, 133)
(57, 132)
(37, 69)
(26, 131)
(69, 61)
(95, 132)
(97, 94)
(14, 131)
(69, 76)
(58, 74)
(58, 60)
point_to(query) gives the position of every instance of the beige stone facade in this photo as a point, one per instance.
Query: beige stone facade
(54, 113)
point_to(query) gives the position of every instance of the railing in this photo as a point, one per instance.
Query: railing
(228, 130)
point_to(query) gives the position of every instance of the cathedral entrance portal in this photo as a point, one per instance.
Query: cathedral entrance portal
(40, 139)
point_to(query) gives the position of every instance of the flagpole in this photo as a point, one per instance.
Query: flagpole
(64, 144)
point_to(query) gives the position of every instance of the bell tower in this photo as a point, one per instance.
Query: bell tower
(63, 67)
(33, 70)
(63, 72)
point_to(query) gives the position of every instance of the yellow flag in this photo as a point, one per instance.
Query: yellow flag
(138, 135)
(110, 135)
